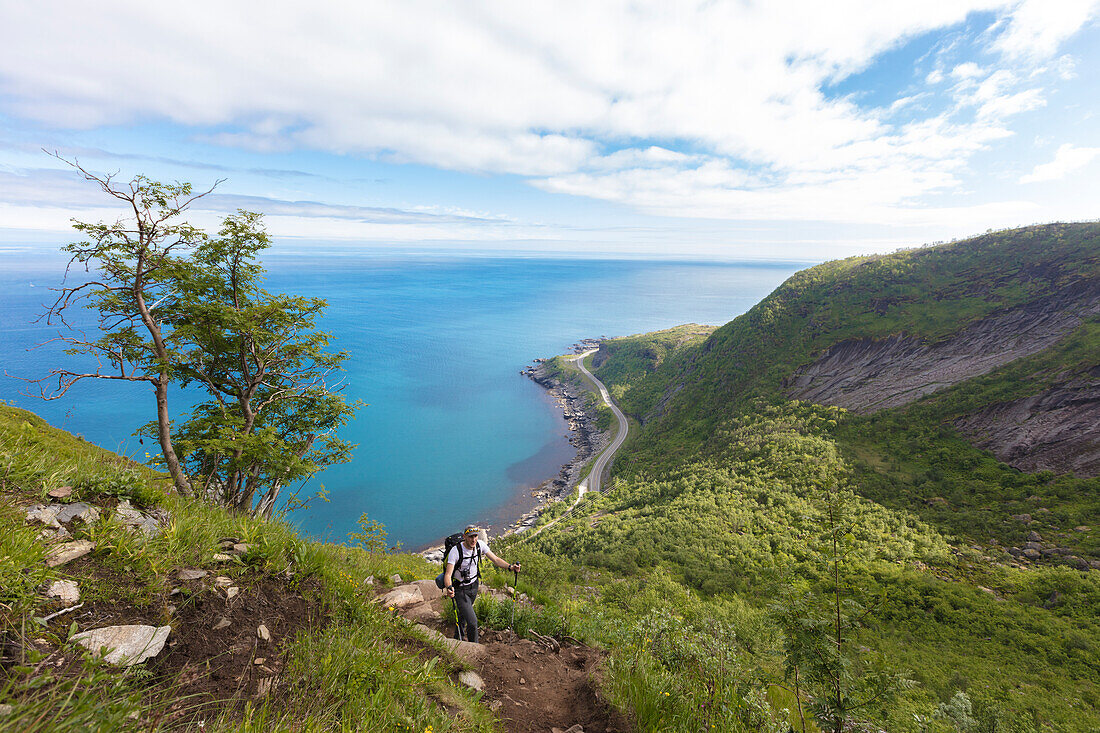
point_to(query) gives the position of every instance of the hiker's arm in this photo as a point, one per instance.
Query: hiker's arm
(447, 589)
(500, 563)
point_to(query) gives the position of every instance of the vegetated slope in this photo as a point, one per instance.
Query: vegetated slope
(872, 332)
(975, 574)
(268, 631)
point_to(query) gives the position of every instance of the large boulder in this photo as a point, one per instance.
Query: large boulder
(402, 596)
(428, 589)
(68, 552)
(125, 645)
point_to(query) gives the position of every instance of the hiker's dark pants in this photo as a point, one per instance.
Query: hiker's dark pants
(467, 619)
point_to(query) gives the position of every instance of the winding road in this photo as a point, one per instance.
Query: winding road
(595, 476)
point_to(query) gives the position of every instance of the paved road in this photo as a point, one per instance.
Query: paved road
(592, 483)
(604, 460)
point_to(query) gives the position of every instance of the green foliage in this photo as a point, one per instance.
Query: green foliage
(371, 536)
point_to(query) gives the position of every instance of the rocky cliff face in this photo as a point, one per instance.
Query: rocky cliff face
(867, 375)
(1057, 430)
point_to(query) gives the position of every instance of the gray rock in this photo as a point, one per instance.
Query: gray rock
(47, 515)
(80, 510)
(262, 633)
(369, 580)
(1025, 518)
(191, 574)
(241, 548)
(428, 589)
(1015, 551)
(1081, 528)
(396, 579)
(1094, 564)
(65, 590)
(221, 557)
(402, 596)
(231, 592)
(1034, 536)
(1031, 554)
(6, 709)
(1032, 546)
(421, 612)
(467, 651)
(126, 645)
(68, 552)
(471, 679)
(223, 623)
(135, 520)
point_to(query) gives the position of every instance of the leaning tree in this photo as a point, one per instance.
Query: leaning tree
(177, 306)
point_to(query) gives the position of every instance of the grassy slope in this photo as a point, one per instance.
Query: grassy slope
(363, 670)
(718, 501)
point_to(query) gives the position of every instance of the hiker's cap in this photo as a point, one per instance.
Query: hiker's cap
(471, 529)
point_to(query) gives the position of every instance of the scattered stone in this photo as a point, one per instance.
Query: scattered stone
(1015, 551)
(174, 592)
(221, 557)
(6, 709)
(226, 545)
(402, 597)
(496, 705)
(1079, 562)
(241, 548)
(986, 590)
(222, 582)
(1031, 554)
(231, 592)
(1034, 536)
(47, 515)
(66, 590)
(263, 633)
(1032, 546)
(259, 660)
(135, 520)
(936, 501)
(1024, 518)
(191, 574)
(471, 679)
(223, 623)
(68, 552)
(522, 681)
(396, 579)
(1081, 528)
(369, 580)
(84, 512)
(422, 612)
(1042, 510)
(1094, 564)
(573, 729)
(126, 645)
(61, 492)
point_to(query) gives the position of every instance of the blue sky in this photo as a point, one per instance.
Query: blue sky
(778, 130)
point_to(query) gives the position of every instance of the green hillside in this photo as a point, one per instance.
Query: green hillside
(726, 507)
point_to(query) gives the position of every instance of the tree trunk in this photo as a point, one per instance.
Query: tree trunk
(164, 434)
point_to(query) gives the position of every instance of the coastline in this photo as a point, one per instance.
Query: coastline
(584, 436)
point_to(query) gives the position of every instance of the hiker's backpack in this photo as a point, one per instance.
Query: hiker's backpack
(455, 540)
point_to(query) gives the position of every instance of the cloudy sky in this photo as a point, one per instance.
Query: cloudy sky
(780, 129)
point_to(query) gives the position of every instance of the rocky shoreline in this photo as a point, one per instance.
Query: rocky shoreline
(583, 435)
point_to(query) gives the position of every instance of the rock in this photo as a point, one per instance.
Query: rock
(223, 623)
(467, 651)
(222, 582)
(496, 705)
(47, 515)
(574, 729)
(65, 590)
(61, 535)
(522, 681)
(135, 520)
(369, 580)
(263, 686)
(421, 612)
(471, 679)
(1081, 528)
(936, 501)
(1024, 518)
(1031, 554)
(1032, 546)
(1094, 564)
(263, 633)
(241, 548)
(231, 592)
(259, 660)
(126, 645)
(6, 709)
(1034, 536)
(428, 589)
(402, 596)
(191, 574)
(68, 552)
(1079, 562)
(221, 557)
(430, 633)
(226, 545)
(396, 579)
(61, 492)
(84, 512)
(1015, 551)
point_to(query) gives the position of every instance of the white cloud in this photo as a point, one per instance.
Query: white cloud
(712, 110)
(1069, 158)
(1038, 27)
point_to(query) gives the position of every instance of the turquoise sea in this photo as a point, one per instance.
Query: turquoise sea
(452, 433)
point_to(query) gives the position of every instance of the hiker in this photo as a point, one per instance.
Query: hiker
(461, 582)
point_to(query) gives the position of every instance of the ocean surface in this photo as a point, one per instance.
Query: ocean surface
(453, 433)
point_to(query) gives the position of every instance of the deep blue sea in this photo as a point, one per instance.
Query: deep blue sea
(452, 433)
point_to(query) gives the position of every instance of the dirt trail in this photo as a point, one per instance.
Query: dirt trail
(530, 686)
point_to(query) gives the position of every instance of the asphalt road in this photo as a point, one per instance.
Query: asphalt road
(604, 460)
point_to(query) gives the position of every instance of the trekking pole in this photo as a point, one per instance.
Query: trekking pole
(515, 592)
(458, 622)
